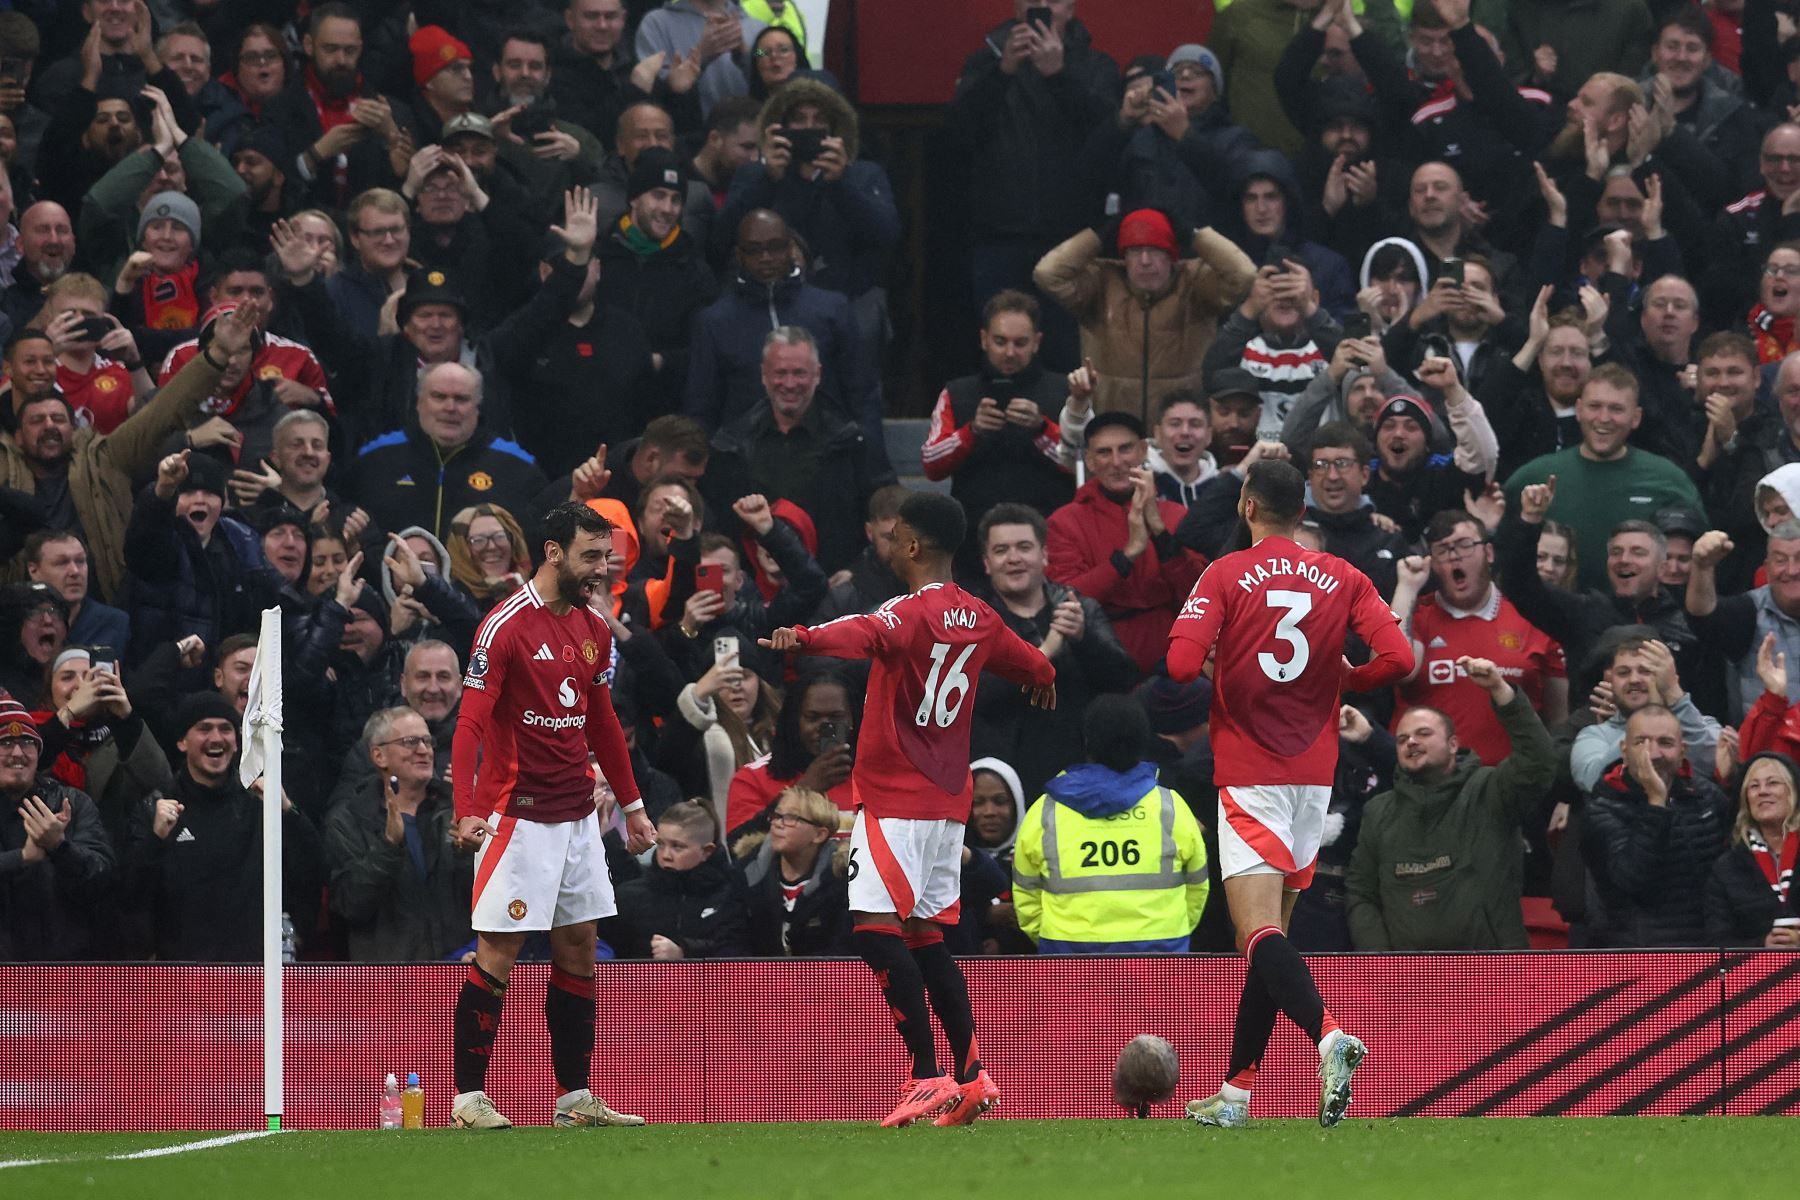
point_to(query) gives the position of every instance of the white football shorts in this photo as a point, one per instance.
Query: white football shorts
(1272, 829)
(533, 875)
(906, 867)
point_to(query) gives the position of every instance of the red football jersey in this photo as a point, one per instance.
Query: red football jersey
(102, 397)
(1526, 655)
(1279, 613)
(279, 358)
(929, 649)
(536, 697)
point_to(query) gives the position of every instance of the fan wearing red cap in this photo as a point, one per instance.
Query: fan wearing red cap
(440, 68)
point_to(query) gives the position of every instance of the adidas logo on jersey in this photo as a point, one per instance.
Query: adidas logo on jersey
(1438, 643)
(543, 653)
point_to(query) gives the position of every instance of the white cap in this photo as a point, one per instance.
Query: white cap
(392, 1081)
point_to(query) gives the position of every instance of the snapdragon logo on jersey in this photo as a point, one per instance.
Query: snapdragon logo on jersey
(565, 696)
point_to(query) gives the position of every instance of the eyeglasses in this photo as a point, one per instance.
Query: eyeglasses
(1340, 465)
(259, 58)
(1448, 550)
(17, 745)
(385, 233)
(478, 540)
(1782, 160)
(1782, 270)
(417, 741)
(781, 818)
(783, 51)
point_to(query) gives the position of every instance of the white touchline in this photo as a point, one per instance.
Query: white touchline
(156, 1152)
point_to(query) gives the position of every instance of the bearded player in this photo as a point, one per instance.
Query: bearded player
(912, 790)
(536, 699)
(1277, 614)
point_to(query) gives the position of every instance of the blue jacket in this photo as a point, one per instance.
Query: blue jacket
(1331, 273)
(849, 225)
(725, 368)
(178, 587)
(100, 624)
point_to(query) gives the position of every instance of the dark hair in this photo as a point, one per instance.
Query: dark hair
(1183, 396)
(1689, 19)
(35, 543)
(885, 502)
(727, 115)
(1009, 513)
(235, 259)
(1340, 433)
(1444, 523)
(939, 519)
(675, 434)
(787, 755)
(562, 522)
(1279, 488)
(1426, 16)
(330, 10)
(1649, 529)
(523, 34)
(28, 335)
(1012, 301)
(802, 63)
(1390, 259)
(1727, 344)
(669, 479)
(268, 33)
(711, 542)
(233, 644)
(1116, 731)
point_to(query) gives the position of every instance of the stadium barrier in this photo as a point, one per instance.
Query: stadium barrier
(1564, 1034)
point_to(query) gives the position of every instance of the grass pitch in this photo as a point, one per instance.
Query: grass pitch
(1493, 1158)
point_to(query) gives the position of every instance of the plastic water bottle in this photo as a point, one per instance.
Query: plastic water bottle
(290, 940)
(390, 1103)
(412, 1103)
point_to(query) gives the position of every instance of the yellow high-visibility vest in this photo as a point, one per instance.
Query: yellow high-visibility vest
(1136, 876)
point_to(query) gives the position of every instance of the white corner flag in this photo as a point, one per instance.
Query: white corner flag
(261, 755)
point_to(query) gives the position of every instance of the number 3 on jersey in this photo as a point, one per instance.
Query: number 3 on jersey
(1297, 604)
(948, 693)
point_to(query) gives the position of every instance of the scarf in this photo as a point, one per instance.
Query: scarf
(642, 244)
(1774, 336)
(70, 766)
(1779, 874)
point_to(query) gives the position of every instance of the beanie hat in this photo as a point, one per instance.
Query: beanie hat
(204, 474)
(1407, 406)
(433, 48)
(1176, 707)
(171, 206)
(369, 601)
(18, 36)
(204, 706)
(267, 518)
(1343, 98)
(19, 599)
(1192, 52)
(15, 721)
(656, 166)
(266, 140)
(1147, 227)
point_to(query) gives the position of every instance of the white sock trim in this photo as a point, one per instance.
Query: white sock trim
(1236, 1095)
(1328, 1041)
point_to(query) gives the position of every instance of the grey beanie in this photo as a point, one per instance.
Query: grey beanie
(172, 206)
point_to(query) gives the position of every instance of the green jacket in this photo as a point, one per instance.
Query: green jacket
(1589, 36)
(107, 230)
(1440, 865)
(1595, 497)
(1249, 37)
(103, 467)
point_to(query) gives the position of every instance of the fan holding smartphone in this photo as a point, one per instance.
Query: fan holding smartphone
(98, 365)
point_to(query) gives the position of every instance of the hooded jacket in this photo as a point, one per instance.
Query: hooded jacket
(701, 910)
(1144, 349)
(1330, 273)
(672, 31)
(1023, 135)
(1003, 852)
(1109, 862)
(818, 924)
(1439, 864)
(725, 369)
(1651, 865)
(849, 225)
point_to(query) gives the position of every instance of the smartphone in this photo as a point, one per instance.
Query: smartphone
(725, 652)
(1000, 391)
(807, 144)
(1452, 270)
(1357, 325)
(1039, 15)
(709, 577)
(1276, 256)
(92, 329)
(536, 118)
(104, 658)
(1163, 81)
(831, 734)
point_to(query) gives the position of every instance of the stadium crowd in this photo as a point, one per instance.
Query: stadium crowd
(320, 306)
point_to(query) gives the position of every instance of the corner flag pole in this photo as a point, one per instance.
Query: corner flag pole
(262, 756)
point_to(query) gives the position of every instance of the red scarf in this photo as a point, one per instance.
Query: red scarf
(1774, 335)
(333, 110)
(1781, 874)
(170, 301)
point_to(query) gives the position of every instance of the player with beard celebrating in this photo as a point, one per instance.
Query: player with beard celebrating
(536, 699)
(1278, 614)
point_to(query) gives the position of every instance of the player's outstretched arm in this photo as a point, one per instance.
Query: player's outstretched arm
(1393, 653)
(781, 640)
(1041, 695)
(857, 636)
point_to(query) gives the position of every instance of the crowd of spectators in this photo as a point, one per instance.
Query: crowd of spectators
(319, 307)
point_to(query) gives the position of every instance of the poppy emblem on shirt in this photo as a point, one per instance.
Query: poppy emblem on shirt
(481, 481)
(517, 910)
(568, 654)
(590, 652)
(584, 349)
(106, 383)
